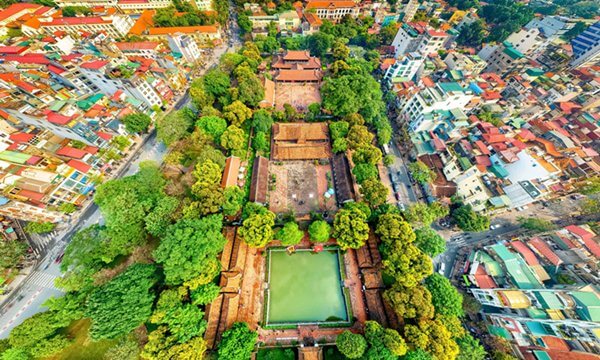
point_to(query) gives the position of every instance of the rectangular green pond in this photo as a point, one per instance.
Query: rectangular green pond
(304, 287)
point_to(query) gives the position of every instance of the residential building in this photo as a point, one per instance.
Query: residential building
(586, 46)
(333, 10)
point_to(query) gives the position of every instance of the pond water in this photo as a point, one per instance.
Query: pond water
(305, 287)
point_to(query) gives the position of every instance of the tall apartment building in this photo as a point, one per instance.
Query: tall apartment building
(586, 46)
(418, 37)
(404, 69)
(333, 10)
(419, 111)
(410, 10)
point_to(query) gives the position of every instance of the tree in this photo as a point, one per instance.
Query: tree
(262, 121)
(237, 113)
(233, 200)
(365, 171)
(339, 145)
(257, 229)
(39, 227)
(367, 154)
(421, 172)
(433, 337)
(216, 82)
(125, 349)
(290, 234)
(200, 97)
(190, 250)
(213, 126)
(319, 43)
(319, 231)
(394, 230)
(470, 348)
(237, 342)
(122, 304)
(417, 354)
(429, 241)
(536, 224)
(445, 298)
(339, 129)
(469, 220)
(472, 34)
(350, 228)
(406, 264)
(374, 192)
(423, 214)
(11, 253)
(359, 136)
(351, 345)
(233, 138)
(173, 127)
(410, 303)
(136, 123)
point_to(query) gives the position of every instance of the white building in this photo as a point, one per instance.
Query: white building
(419, 110)
(470, 65)
(417, 37)
(525, 40)
(333, 10)
(405, 69)
(410, 10)
(186, 46)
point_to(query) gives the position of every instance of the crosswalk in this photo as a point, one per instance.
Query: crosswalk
(42, 279)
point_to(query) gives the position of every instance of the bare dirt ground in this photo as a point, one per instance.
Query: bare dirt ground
(299, 186)
(297, 95)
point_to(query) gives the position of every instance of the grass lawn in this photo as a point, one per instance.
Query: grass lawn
(82, 347)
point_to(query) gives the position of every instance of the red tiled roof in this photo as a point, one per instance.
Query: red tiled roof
(94, 65)
(68, 21)
(543, 248)
(79, 165)
(526, 252)
(103, 135)
(71, 152)
(579, 232)
(21, 137)
(57, 118)
(31, 195)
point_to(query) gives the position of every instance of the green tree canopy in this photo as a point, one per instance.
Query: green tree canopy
(290, 234)
(190, 249)
(445, 298)
(122, 304)
(429, 241)
(237, 342)
(350, 228)
(319, 231)
(352, 346)
(136, 123)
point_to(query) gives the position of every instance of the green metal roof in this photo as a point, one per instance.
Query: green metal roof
(549, 300)
(499, 171)
(535, 313)
(588, 305)
(499, 331)
(14, 157)
(541, 355)
(451, 87)
(536, 328)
